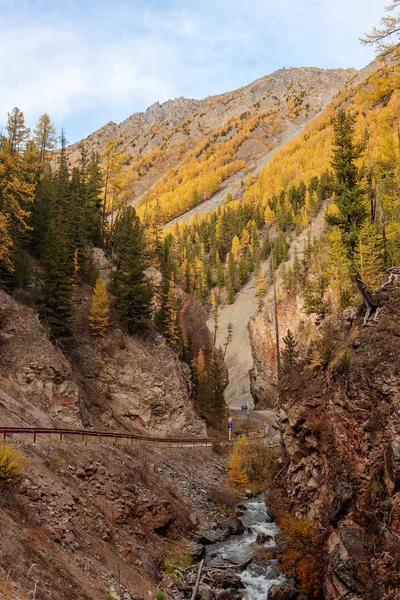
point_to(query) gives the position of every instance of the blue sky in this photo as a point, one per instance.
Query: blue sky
(87, 62)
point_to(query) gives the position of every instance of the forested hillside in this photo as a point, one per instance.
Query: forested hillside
(186, 149)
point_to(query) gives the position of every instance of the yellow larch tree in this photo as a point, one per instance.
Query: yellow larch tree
(237, 476)
(99, 317)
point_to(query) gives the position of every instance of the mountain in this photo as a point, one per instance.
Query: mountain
(241, 126)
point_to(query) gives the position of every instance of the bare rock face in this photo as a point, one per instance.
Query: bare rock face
(137, 381)
(37, 386)
(147, 385)
(342, 434)
(263, 375)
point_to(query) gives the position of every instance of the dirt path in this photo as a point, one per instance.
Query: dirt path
(239, 357)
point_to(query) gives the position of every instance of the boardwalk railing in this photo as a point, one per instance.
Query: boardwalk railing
(85, 435)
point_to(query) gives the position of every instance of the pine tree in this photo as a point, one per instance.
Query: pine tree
(170, 326)
(314, 295)
(56, 300)
(228, 339)
(131, 287)
(230, 293)
(217, 385)
(201, 390)
(349, 194)
(99, 317)
(219, 270)
(290, 353)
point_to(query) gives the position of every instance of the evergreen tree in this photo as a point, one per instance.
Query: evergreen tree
(291, 354)
(170, 325)
(228, 339)
(201, 390)
(314, 295)
(130, 285)
(218, 384)
(349, 193)
(99, 317)
(94, 203)
(230, 293)
(219, 270)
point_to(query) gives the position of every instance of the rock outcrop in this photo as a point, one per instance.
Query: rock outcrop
(37, 385)
(341, 428)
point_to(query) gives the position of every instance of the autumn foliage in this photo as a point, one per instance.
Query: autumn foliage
(100, 309)
(302, 557)
(12, 463)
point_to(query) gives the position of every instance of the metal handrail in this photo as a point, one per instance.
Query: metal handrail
(84, 433)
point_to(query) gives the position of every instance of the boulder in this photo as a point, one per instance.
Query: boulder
(196, 551)
(283, 592)
(263, 538)
(205, 592)
(158, 517)
(235, 526)
(248, 494)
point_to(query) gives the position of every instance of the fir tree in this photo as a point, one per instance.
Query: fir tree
(228, 339)
(130, 285)
(349, 193)
(170, 326)
(99, 318)
(230, 293)
(314, 295)
(218, 384)
(290, 353)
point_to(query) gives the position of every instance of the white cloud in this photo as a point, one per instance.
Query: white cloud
(118, 57)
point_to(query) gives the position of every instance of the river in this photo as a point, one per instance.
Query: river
(239, 549)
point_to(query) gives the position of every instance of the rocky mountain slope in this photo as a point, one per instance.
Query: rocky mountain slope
(86, 517)
(121, 381)
(159, 138)
(341, 428)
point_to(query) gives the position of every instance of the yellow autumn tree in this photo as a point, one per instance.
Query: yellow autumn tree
(100, 309)
(12, 463)
(236, 248)
(237, 476)
(369, 256)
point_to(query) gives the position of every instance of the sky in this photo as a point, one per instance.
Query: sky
(88, 62)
